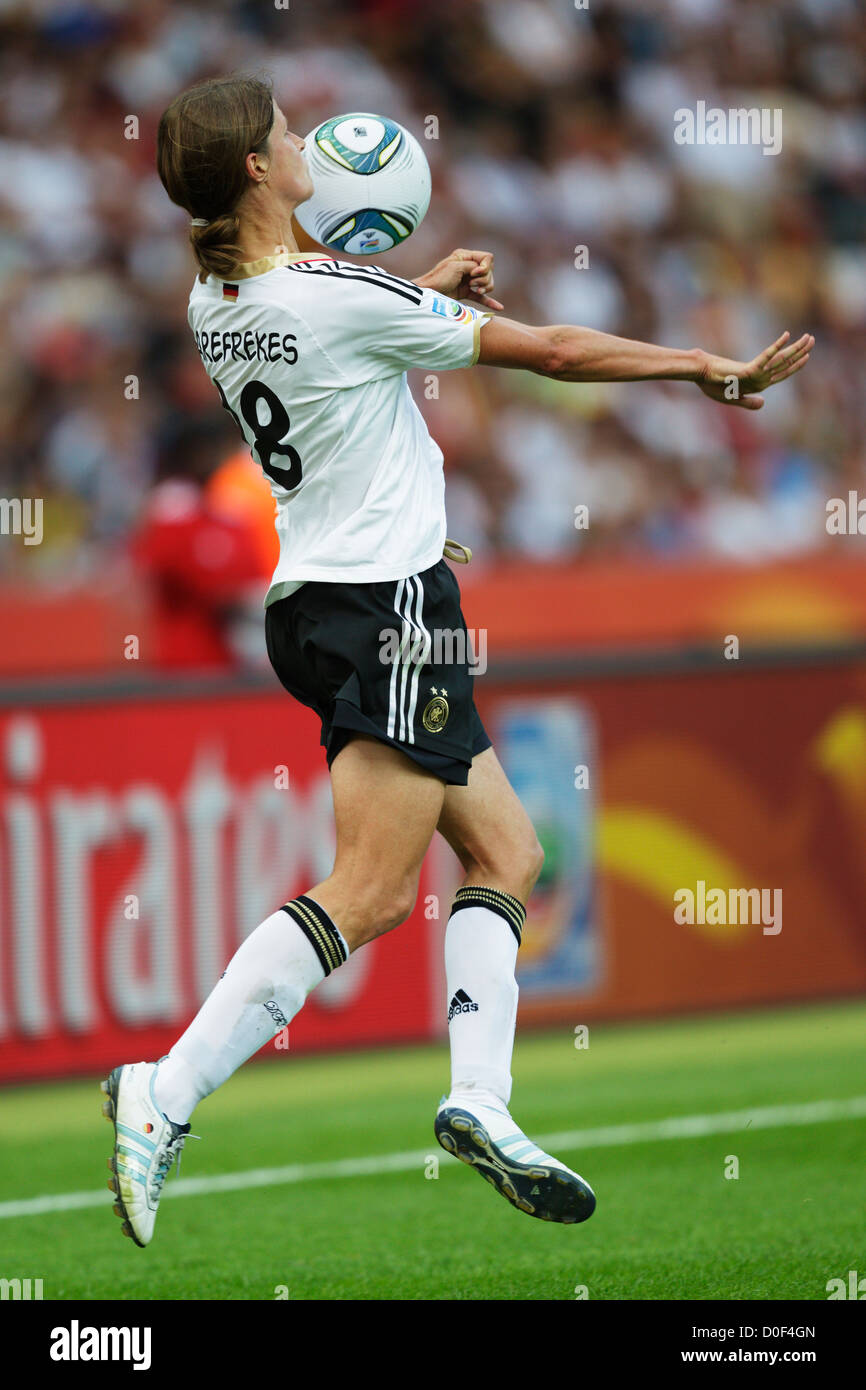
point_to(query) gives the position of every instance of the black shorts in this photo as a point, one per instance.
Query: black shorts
(390, 659)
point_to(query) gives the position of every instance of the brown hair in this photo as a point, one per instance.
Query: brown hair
(202, 143)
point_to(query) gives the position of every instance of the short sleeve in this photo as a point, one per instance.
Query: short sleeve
(373, 324)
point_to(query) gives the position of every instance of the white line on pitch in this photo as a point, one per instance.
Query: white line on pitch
(608, 1136)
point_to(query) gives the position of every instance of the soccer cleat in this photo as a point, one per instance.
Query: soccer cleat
(485, 1136)
(145, 1147)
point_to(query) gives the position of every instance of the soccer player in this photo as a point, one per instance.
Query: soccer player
(309, 355)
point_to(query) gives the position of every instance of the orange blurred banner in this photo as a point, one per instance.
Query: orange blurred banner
(656, 791)
(524, 608)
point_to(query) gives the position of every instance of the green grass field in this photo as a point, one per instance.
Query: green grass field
(668, 1224)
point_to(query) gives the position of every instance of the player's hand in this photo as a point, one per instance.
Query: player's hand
(736, 383)
(464, 275)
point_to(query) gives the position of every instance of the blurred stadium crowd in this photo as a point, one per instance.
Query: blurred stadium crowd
(554, 130)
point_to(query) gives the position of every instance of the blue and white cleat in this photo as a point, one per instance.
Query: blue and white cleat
(484, 1135)
(145, 1147)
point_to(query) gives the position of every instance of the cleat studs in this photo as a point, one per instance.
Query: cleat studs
(462, 1126)
(109, 1163)
(118, 1210)
(448, 1142)
(105, 1088)
(127, 1230)
(112, 1186)
(108, 1109)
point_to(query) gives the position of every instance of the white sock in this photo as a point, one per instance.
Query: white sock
(481, 942)
(260, 992)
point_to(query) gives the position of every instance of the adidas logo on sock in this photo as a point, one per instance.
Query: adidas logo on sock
(461, 1004)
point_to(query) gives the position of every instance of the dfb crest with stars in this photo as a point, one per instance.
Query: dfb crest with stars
(435, 715)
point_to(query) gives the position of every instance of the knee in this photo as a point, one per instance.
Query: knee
(383, 909)
(534, 862)
(527, 864)
(514, 864)
(398, 904)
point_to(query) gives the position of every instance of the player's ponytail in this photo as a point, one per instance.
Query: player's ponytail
(203, 140)
(215, 246)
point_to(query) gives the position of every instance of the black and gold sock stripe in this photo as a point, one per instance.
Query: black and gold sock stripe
(319, 930)
(494, 900)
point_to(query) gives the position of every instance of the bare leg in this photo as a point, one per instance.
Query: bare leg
(386, 808)
(490, 832)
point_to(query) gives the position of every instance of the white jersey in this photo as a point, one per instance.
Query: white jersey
(309, 354)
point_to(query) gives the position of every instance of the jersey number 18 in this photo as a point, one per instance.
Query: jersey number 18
(268, 437)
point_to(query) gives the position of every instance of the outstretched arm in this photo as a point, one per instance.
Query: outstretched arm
(582, 354)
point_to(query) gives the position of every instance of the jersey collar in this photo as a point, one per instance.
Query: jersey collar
(247, 269)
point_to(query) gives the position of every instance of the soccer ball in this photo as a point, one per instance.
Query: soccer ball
(371, 184)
